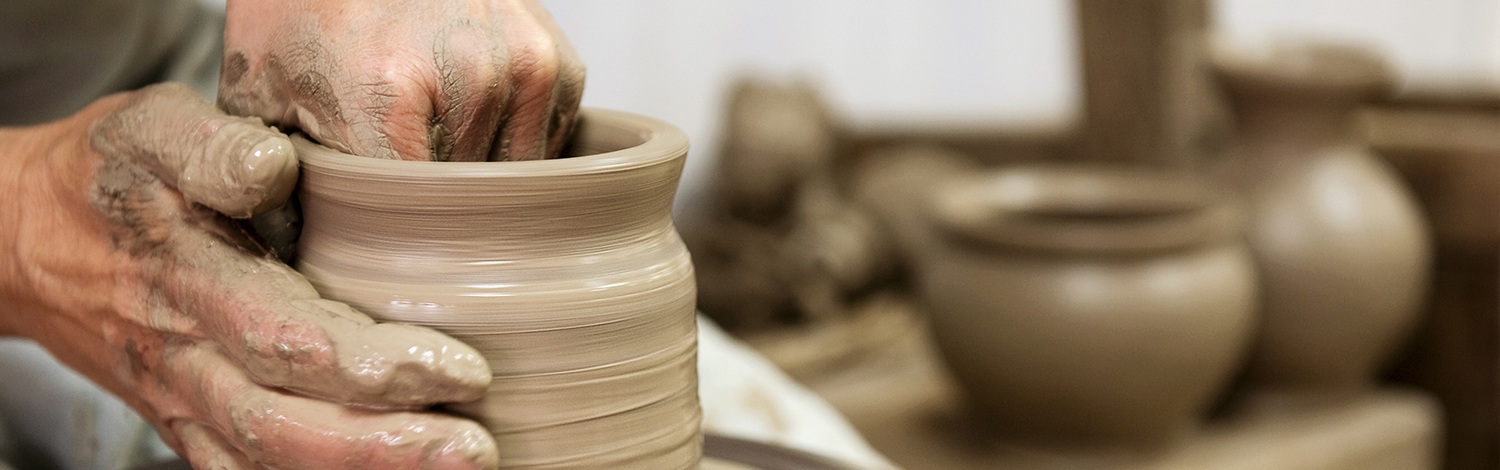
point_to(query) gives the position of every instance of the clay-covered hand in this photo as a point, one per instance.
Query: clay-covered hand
(163, 301)
(443, 80)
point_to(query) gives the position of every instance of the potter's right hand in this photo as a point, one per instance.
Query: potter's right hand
(443, 80)
(163, 302)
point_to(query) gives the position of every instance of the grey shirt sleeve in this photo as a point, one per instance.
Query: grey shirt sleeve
(57, 56)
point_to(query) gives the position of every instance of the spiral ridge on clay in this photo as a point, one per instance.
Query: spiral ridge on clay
(567, 274)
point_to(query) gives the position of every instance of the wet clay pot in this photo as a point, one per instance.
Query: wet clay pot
(567, 274)
(1088, 307)
(1342, 246)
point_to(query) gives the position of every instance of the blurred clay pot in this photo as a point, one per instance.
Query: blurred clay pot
(1089, 306)
(1342, 245)
(777, 136)
(895, 185)
(567, 274)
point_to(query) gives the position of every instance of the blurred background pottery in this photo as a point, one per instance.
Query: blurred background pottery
(780, 244)
(567, 274)
(777, 137)
(895, 184)
(1088, 306)
(1342, 245)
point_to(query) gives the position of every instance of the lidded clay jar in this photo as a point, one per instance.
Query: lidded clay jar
(1088, 307)
(1343, 247)
(567, 274)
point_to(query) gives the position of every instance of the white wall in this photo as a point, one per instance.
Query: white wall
(950, 62)
(880, 61)
(947, 62)
(1434, 43)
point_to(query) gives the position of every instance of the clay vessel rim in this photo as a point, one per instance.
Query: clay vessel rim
(1309, 66)
(659, 142)
(1084, 209)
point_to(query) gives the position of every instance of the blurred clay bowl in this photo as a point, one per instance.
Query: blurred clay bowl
(1088, 307)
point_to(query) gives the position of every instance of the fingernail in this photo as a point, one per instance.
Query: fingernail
(243, 170)
(471, 448)
(271, 165)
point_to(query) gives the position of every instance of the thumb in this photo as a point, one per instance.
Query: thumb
(234, 165)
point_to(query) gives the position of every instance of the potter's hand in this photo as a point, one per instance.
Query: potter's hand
(444, 80)
(159, 300)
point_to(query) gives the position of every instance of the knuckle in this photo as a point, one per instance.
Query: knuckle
(572, 70)
(237, 409)
(536, 62)
(468, 59)
(289, 345)
(166, 91)
(252, 417)
(474, 68)
(203, 449)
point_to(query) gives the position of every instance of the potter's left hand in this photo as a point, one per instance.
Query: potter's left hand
(444, 80)
(164, 303)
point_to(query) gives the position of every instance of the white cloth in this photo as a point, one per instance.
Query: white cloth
(56, 418)
(746, 396)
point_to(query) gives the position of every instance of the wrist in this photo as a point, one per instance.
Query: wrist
(44, 175)
(20, 149)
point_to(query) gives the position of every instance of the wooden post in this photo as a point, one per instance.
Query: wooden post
(1147, 95)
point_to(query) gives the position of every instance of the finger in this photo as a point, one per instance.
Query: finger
(293, 87)
(468, 104)
(565, 111)
(395, 126)
(289, 432)
(273, 323)
(279, 228)
(535, 63)
(206, 450)
(271, 320)
(568, 90)
(234, 165)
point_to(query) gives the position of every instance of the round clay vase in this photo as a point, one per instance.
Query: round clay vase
(567, 274)
(1342, 245)
(1089, 307)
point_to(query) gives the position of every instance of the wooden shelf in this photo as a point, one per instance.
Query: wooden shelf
(908, 407)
